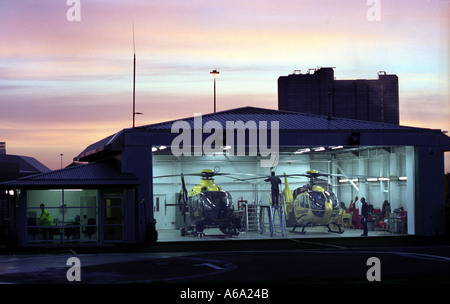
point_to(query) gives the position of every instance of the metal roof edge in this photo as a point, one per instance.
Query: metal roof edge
(106, 144)
(258, 110)
(51, 178)
(112, 142)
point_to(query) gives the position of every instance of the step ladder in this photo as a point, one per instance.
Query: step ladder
(251, 217)
(265, 219)
(278, 220)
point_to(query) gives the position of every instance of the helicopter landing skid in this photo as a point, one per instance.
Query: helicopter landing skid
(192, 231)
(303, 229)
(340, 231)
(334, 231)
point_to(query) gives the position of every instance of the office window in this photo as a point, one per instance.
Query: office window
(72, 216)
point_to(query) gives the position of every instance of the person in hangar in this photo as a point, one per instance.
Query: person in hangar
(275, 182)
(364, 215)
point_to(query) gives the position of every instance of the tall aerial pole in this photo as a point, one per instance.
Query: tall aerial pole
(134, 80)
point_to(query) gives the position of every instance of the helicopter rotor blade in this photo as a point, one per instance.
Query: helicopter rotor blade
(183, 185)
(204, 174)
(247, 177)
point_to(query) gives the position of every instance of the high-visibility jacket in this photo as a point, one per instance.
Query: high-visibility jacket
(45, 218)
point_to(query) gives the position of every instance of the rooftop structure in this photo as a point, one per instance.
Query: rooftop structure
(318, 92)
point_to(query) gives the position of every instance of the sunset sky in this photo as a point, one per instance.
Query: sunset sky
(66, 84)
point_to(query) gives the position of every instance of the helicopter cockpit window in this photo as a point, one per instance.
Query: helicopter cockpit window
(217, 198)
(304, 202)
(195, 202)
(317, 200)
(333, 199)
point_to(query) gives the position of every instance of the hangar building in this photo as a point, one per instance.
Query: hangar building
(125, 182)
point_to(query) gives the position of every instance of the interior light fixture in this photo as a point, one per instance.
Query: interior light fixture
(300, 151)
(346, 180)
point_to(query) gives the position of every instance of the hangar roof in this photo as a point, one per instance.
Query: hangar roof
(288, 122)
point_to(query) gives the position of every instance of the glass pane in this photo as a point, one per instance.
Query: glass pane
(113, 233)
(113, 219)
(68, 213)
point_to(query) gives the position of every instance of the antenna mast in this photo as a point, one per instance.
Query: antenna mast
(134, 80)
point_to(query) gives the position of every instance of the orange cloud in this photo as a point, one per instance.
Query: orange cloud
(63, 79)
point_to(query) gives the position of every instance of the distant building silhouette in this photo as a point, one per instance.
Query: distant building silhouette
(319, 93)
(15, 166)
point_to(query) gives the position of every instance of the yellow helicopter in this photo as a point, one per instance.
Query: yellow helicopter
(208, 206)
(310, 204)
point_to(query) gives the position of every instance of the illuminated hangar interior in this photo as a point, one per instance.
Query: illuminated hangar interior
(378, 174)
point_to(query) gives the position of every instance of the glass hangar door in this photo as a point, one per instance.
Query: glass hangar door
(113, 215)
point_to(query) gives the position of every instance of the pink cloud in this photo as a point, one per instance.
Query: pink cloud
(62, 78)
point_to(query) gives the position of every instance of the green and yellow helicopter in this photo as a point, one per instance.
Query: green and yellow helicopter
(207, 205)
(310, 204)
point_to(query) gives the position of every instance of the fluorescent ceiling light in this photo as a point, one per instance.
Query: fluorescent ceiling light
(303, 151)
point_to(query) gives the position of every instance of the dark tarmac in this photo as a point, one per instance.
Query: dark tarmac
(279, 267)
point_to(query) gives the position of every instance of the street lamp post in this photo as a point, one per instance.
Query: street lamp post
(214, 73)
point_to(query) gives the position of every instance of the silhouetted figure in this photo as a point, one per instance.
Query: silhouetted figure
(364, 215)
(386, 209)
(275, 182)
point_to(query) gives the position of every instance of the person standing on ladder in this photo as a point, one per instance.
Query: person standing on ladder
(275, 189)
